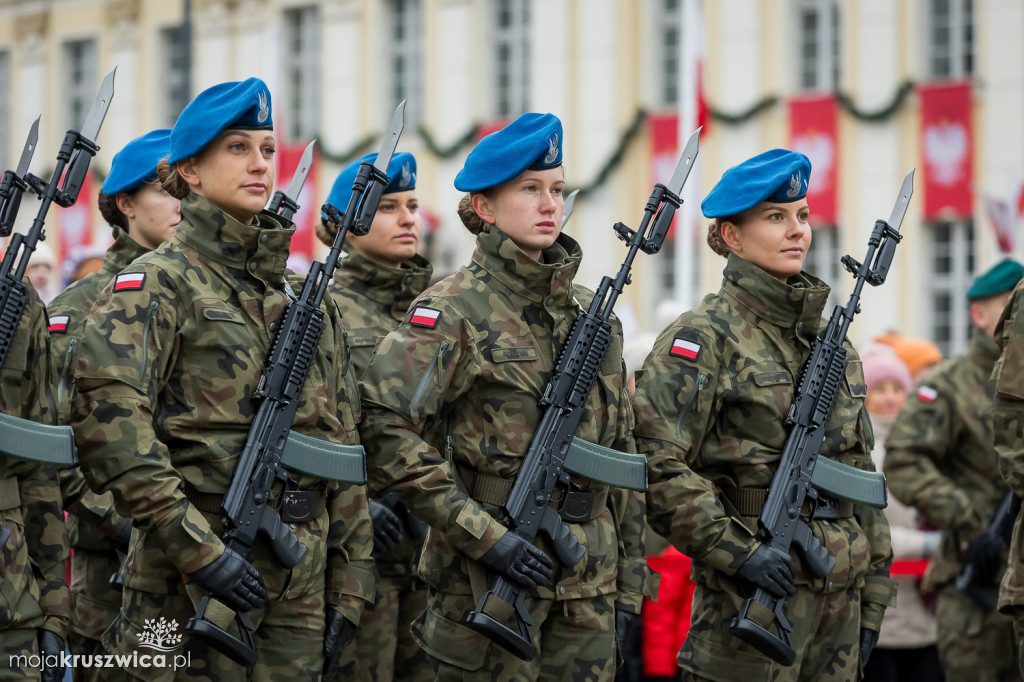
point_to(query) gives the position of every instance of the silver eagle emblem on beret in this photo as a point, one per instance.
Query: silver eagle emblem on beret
(552, 150)
(264, 112)
(407, 176)
(795, 185)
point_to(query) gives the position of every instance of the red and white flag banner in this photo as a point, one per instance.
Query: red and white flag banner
(813, 132)
(303, 243)
(947, 149)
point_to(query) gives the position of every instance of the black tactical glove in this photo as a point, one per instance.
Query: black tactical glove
(985, 552)
(769, 569)
(623, 619)
(868, 640)
(51, 650)
(521, 562)
(337, 633)
(232, 580)
(387, 527)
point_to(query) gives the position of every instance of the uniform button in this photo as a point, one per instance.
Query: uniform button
(810, 297)
(408, 280)
(263, 239)
(550, 301)
(273, 326)
(561, 590)
(252, 266)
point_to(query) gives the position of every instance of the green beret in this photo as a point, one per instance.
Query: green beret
(1000, 278)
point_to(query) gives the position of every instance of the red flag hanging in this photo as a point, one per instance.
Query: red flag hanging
(812, 131)
(302, 247)
(947, 148)
(75, 224)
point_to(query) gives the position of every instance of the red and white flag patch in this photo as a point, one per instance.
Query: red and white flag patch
(425, 317)
(685, 349)
(58, 323)
(927, 394)
(131, 281)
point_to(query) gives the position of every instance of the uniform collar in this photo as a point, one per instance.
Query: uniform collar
(395, 287)
(983, 349)
(797, 302)
(261, 250)
(502, 259)
(122, 252)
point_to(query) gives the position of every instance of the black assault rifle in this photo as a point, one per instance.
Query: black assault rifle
(271, 448)
(802, 475)
(555, 451)
(972, 580)
(53, 445)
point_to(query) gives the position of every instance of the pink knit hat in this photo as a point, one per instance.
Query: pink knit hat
(882, 363)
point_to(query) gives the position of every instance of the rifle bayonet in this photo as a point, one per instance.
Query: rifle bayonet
(685, 164)
(14, 183)
(570, 203)
(286, 203)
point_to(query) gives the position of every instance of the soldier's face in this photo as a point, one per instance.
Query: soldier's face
(395, 233)
(773, 236)
(528, 208)
(235, 172)
(152, 214)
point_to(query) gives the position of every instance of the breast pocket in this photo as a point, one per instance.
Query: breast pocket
(510, 386)
(219, 354)
(756, 404)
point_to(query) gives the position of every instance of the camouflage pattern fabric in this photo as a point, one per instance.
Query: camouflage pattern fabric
(711, 403)
(940, 460)
(575, 638)
(373, 299)
(168, 365)
(93, 525)
(33, 560)
(1008, 436)
(458, 383)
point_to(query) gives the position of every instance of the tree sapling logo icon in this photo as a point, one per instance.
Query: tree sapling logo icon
(160, 634)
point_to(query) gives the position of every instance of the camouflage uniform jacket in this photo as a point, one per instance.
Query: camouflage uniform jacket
(92, 521)
(1008, 434)
(33, 561)
(711, 403)
(373, 299)
(464, 391)
(939, 456)
(173, 351)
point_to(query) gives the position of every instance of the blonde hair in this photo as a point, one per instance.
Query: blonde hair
(171, 181)
(715, 240)
(468, 215)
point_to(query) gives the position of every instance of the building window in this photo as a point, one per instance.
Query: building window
(512, 57)
(950, 38)
(406, 57)
(301, 73)
(6, 158)
(174, 86)
(818, 25)
(80, 82)
(669, 32)
(952, 265)
(823, 260)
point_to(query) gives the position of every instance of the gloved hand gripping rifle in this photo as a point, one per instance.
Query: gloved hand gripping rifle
(801, 473)
(271, 449)
(554, 451)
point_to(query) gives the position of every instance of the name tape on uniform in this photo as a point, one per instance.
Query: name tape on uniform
(131, 281)
(927, 394)
(58, 323)
(425, 317)
(685, 349)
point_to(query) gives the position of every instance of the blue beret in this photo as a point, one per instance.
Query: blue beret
(135, 164)
(244, 104)
(531, 141)
(401, 172)
(999, 279)
(777, 175)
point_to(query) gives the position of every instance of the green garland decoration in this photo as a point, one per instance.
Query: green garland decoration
(616, 156)
(452, 149)
(743, 116)
(882, 114)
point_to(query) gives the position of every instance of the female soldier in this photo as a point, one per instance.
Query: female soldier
(373, 287)
(711, 406)
(142, 216)
(450, 400)
(166, 379)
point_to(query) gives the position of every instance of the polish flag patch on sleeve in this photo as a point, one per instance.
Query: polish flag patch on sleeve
(425, 317)
(58, 323)
(927, 394)
(131, 281)
(685, 349)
